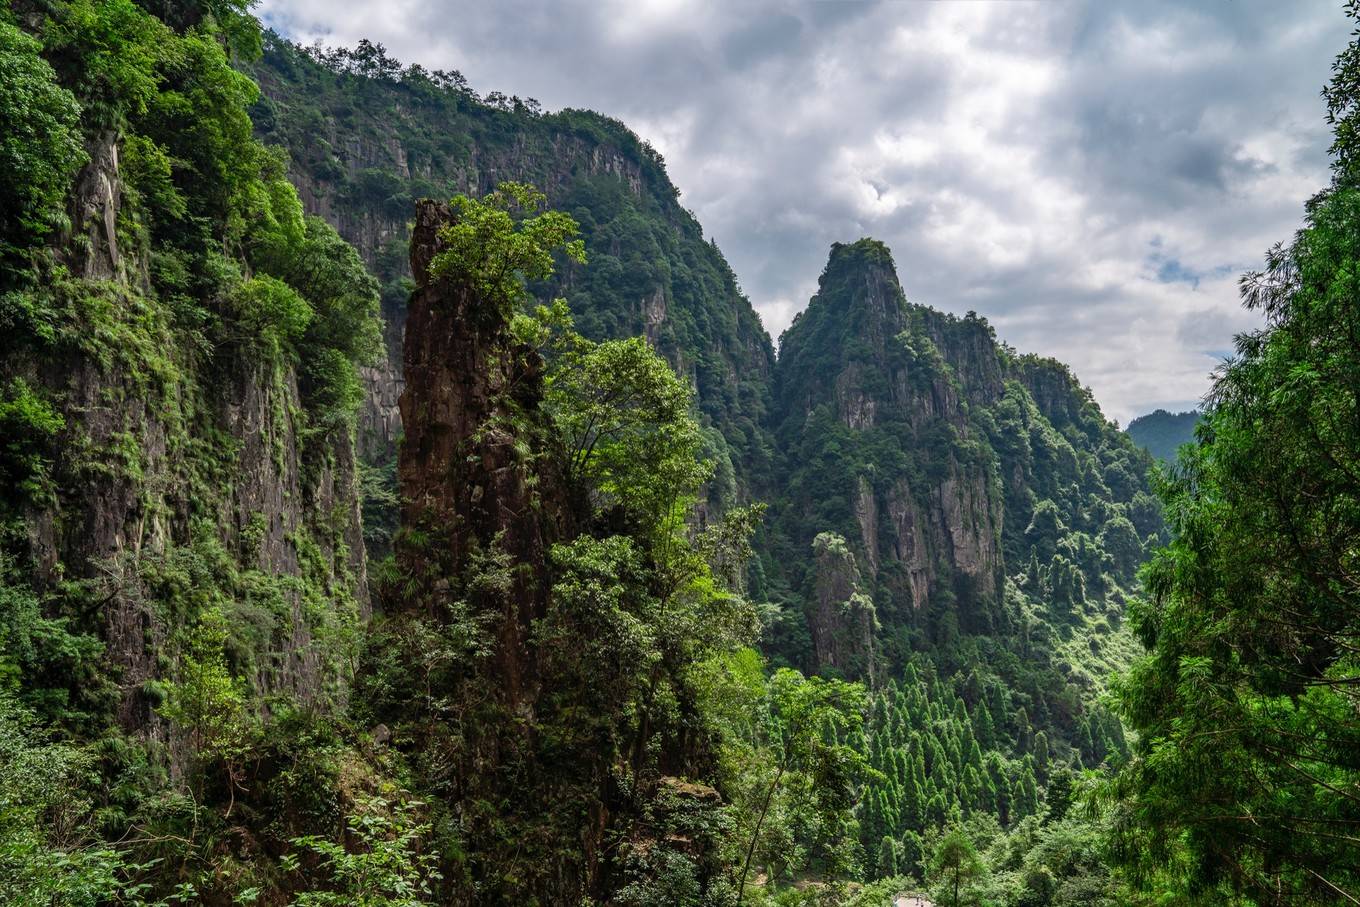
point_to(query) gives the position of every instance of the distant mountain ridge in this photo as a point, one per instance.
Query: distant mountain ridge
(1161, 433)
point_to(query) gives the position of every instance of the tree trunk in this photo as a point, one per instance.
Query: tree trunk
(755, 835)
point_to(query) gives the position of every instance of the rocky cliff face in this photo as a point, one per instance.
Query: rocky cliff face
(364, 147)
(841, 616)
(912, 433)
(181, 472)
(931, 448)
(478, 513)
(375, 230)
(872, 399)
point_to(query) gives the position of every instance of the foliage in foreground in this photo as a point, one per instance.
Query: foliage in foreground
(1247, 770)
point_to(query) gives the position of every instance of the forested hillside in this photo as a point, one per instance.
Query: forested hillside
(367, 136)
(403, 505)
(1161, 433)
(958, 527)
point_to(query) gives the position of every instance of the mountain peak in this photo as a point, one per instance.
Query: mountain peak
(863, 253)
(857, 295)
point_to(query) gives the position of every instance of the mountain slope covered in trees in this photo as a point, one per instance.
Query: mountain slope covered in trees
(367, 136)
(182, 574)
(667, 620)
(1161, 433)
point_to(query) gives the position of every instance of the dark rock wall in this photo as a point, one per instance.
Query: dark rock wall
(167, 446)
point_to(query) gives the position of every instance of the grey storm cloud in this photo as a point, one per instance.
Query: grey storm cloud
(1091, 176)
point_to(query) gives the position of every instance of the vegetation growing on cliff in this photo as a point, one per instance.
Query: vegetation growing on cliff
(367, 136)
(584, 595)
(1076, 520)
(180, 595)
(595, 673)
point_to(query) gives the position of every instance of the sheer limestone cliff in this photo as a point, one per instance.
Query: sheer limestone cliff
(184, 472)
(873, 417)
(880, 421)
(366, 141)
(931, 447)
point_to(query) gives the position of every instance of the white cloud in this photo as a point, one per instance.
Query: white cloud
(1019, 159)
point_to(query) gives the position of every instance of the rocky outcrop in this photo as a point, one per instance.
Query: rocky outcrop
(969, 346)
(92, 244)
(538, 730)
(1055, 390)
(470, 410)
(910, 546)
(481, 506)
(375, 226)
(969, 512)
(177, 462)
(841, 617)
(924, 505)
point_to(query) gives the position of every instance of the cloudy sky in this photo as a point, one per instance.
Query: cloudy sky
(1091, 177)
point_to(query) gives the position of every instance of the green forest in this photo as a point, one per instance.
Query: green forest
(1162, 433)
(401, 503)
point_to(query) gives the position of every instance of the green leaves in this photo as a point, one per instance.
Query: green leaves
(796, 773)
(273, 315)
(1343, 105)
(40, 142)
(489, 253)
(955, 866)
(1245, 770)
(109, 52)
(601, 634)
(625, 424)
(48, 853)
(379, 864)
(29, 425)
(343, 328)
(206, 702)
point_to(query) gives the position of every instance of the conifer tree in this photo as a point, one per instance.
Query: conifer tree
(1058, 796)
(1041, 754)
(983, 726)
(910, 856)
(1026, 796)
(1024, 739)
(886, 863)
(1034, 580)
